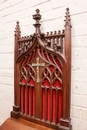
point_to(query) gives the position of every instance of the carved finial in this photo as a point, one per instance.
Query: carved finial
(37, 11)
(37, 25)
(67, 18)
(17, 29)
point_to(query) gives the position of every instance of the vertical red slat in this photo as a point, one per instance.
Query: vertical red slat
(33, 102)
(59, 105)
(23, 99)
(43, 103)
(48, 104)
(29, 101)
(54, 106)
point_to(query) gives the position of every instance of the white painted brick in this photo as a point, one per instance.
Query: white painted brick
(6, 49)
(4, 4)
(52, 14)
(84, 41)
(79, 30)
(77, 88)
(71, 109)
(85, 88)
(77, 41)
(7, 88)
(7, 72)
(8, 97)
(79, 19)
(77, 53)
(84, 64)
(1, 96)
(7, 104)
(7, 57)
(77, 100)
(60, 3)
(13, 2)
(9, 10)
(36, 2)
(26, 21)
(84, 114)
(84, 52)
(7, 65)
(84, 101)
(85, 76)
(76, 112)
(44, 7)
(7, 41)
(78, 7)
(79, 124)
(6, 80)
(77, 64)
(77, 76)
(27, 30)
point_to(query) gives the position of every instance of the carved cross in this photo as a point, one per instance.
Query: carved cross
(38, 65)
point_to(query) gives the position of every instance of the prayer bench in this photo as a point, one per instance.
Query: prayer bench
(42, 77)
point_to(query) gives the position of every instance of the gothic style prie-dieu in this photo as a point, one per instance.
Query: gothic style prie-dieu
(42, 76)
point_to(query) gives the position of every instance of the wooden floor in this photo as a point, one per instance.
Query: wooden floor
(20, 124)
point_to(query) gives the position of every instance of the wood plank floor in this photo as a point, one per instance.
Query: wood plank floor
(20, 124)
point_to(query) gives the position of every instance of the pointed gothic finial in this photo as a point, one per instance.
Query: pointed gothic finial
(37, 25)
(67, 18)
(17, 29)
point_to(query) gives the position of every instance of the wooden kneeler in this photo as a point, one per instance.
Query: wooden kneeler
(42, 77)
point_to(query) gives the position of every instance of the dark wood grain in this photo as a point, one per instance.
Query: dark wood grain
(54, 50)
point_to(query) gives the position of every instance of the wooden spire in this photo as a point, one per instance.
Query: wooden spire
(17, 29)
(67, 18)
(37, 25)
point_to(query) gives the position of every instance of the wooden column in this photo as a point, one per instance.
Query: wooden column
(15, 112)
(65, 120)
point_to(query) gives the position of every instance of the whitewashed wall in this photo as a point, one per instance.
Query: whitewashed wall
(53, 12)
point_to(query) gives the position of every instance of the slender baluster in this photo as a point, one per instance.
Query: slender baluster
(46, 108)
(26, 100)
(56, 106)
(30, 101)
(51, 108)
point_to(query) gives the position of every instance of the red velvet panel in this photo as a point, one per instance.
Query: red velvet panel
(59, 105)
(24, 99)
(27, 99)
(48, 103)
(49, 82)
(43, 104)
(21, 99)
(54, 107)
(56, 99)
(33, 113)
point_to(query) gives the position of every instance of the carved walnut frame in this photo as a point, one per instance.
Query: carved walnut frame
(20, 52)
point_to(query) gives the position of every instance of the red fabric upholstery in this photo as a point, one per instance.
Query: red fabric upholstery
(49, 83)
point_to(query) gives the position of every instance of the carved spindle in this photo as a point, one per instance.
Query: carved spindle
(47, 33)
(55, 32)
(58, 31)
(51, 33)
(63, 31)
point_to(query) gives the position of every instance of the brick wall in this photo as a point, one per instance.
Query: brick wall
(53, 12)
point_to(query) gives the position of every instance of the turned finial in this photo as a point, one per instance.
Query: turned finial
(37, 25)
